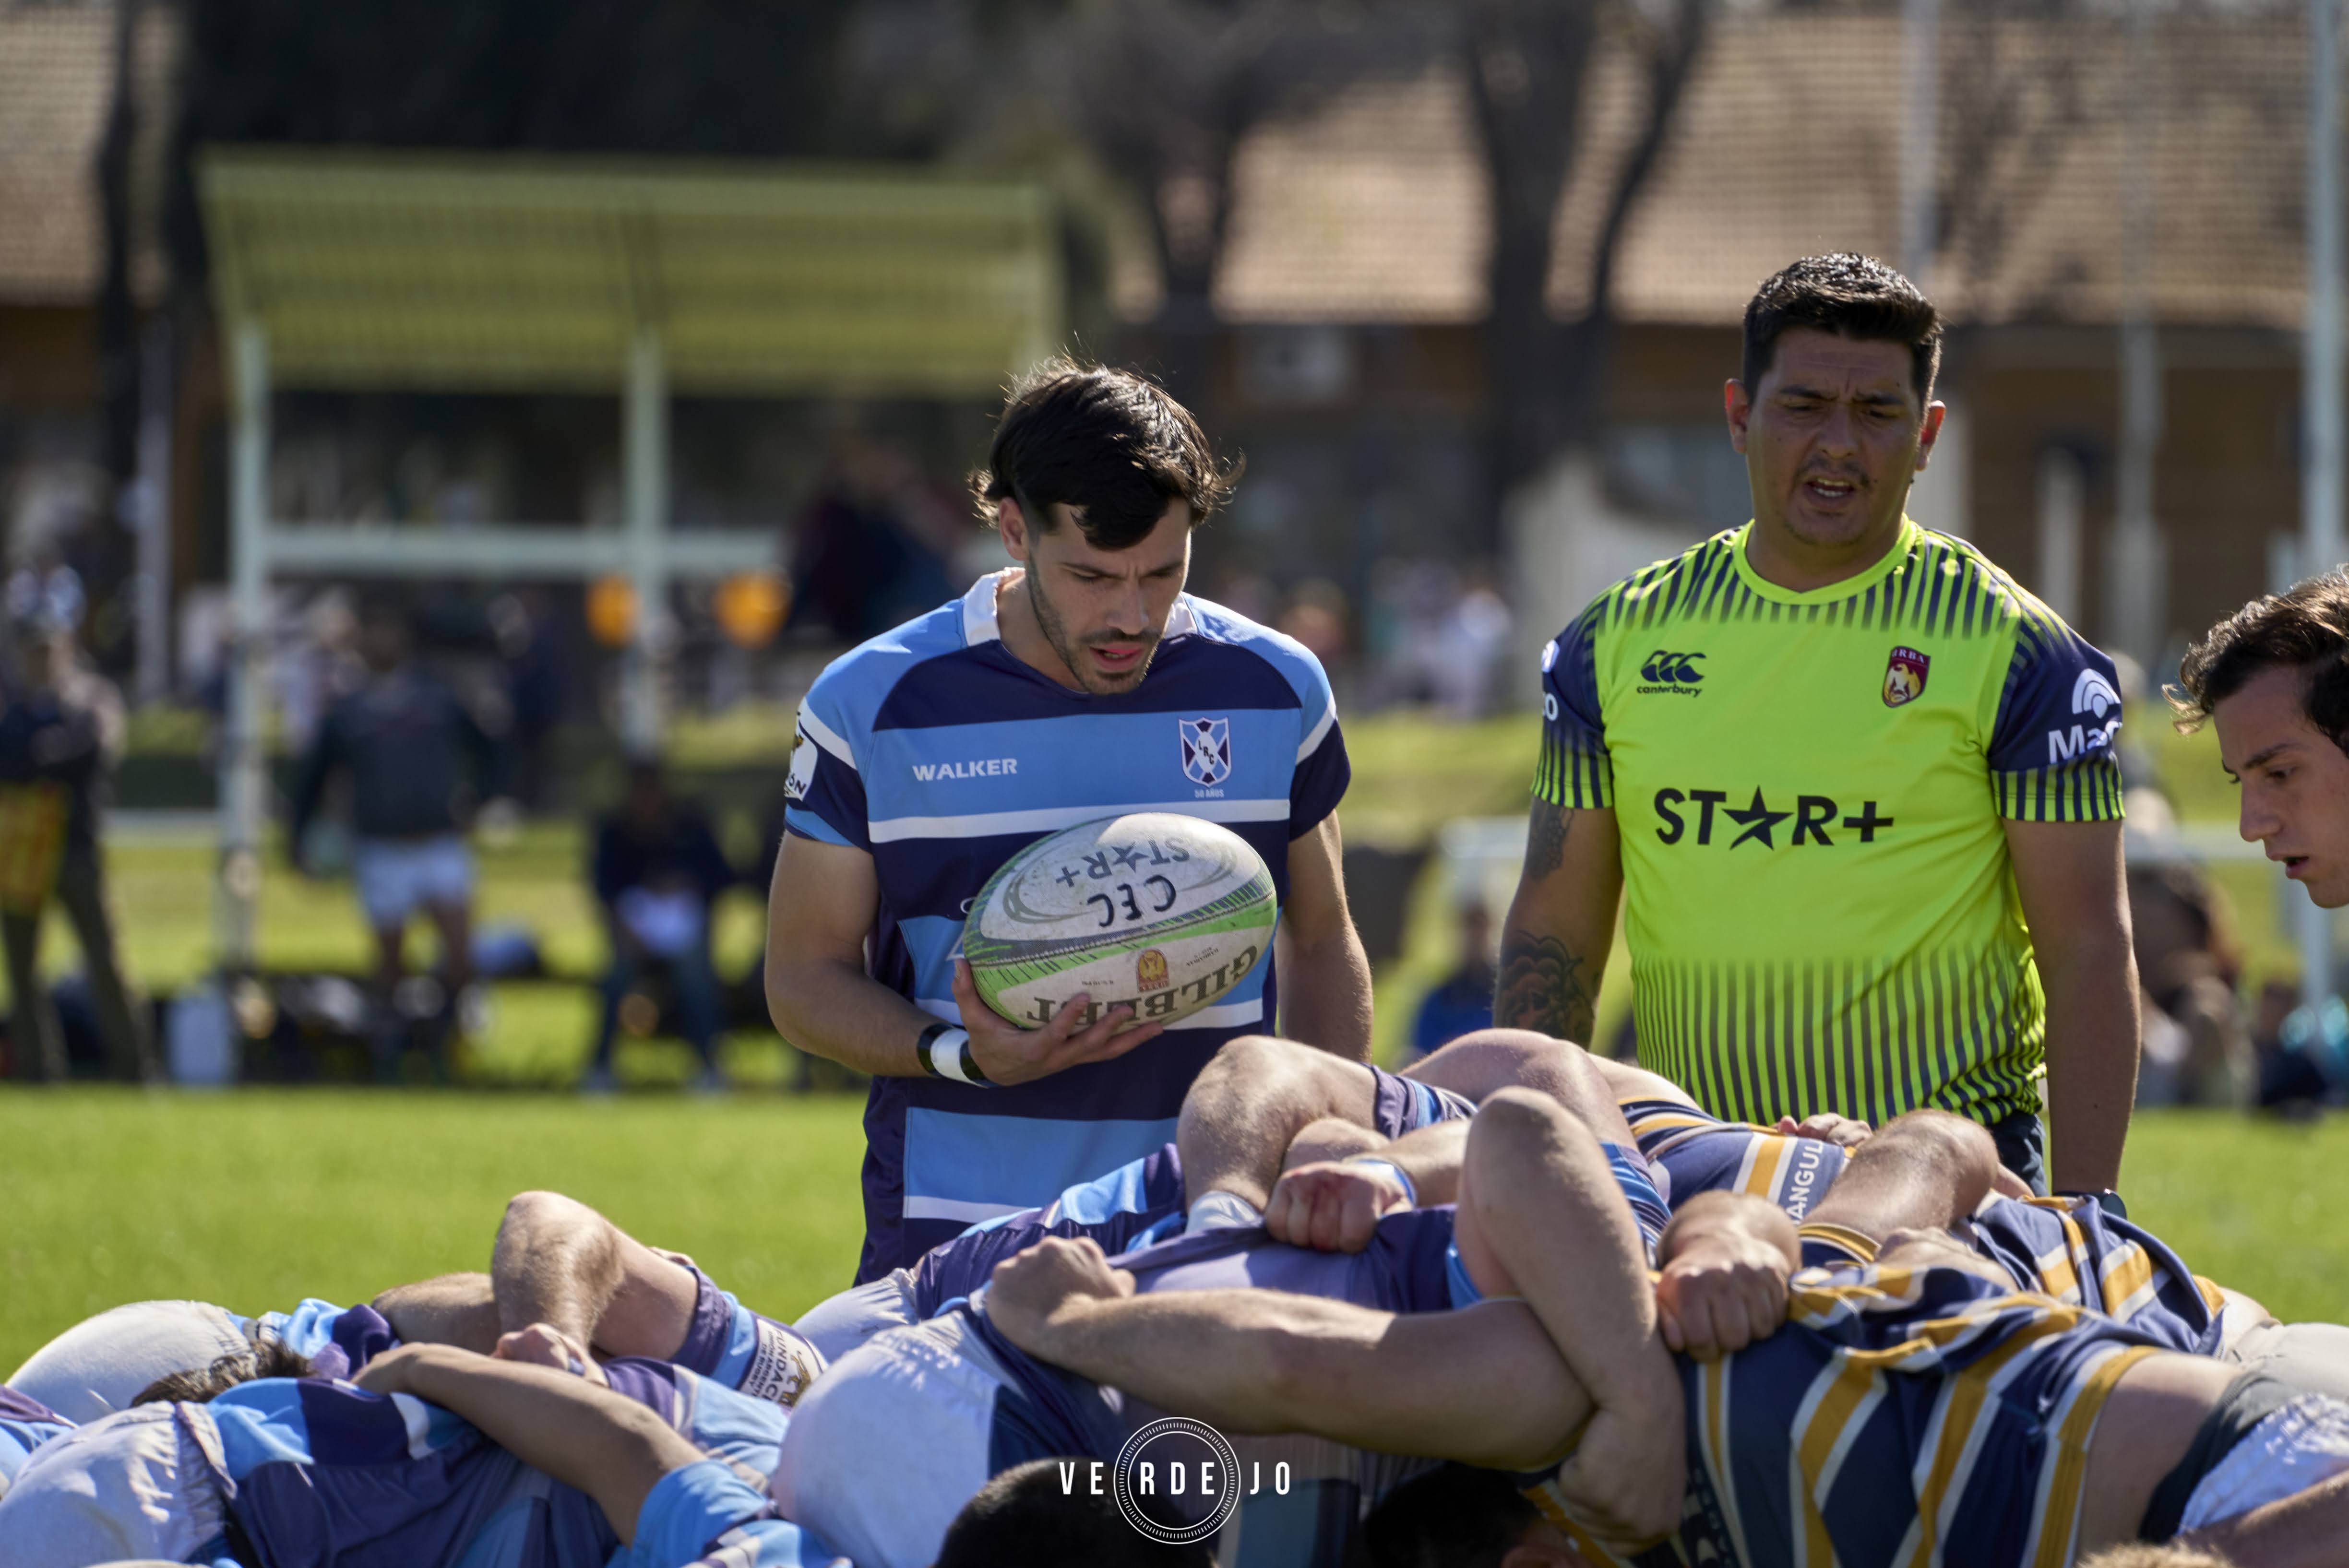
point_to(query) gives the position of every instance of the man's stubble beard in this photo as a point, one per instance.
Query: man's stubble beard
(1070, 652)
(1874, 525)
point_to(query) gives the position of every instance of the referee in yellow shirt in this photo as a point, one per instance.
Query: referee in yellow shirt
(1852, 785)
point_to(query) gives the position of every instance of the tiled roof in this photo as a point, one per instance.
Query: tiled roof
(1376, 208)
(57, 84)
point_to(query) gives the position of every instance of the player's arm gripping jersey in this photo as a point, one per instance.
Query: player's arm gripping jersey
(936, 751)
(1900, 1416)
(1810, 790)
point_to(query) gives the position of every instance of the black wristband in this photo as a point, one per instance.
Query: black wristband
(944, 1050)
(922, 1045)
(2106, 1199)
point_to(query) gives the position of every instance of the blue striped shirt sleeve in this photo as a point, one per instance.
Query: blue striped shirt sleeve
(706, 1516)
(1323, 769)
(824, 795)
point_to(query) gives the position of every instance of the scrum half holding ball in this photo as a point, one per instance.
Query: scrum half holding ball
(1081, 684)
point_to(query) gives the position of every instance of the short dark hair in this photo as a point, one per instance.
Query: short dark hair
(1453, 1517)
(1025, 1517)
(270, 1358)
(2305, 628)
(1109, 443)
(1850, 295)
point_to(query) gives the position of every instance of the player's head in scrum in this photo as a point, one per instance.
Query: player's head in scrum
(1095, 481)
(1833, 407)
(2273, 677)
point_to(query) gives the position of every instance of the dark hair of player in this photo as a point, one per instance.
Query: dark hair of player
(2306, 629)
(1109, 444)
(1852, 297)
(1454, 1517)
(268, 1359)
(1025, 1518)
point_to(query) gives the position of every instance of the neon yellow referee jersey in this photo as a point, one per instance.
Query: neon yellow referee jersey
(1819, 904)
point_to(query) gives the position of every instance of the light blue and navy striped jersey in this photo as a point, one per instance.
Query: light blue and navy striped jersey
(337, 1341)
(936, 750)
(1305, 1495)
(725, 1342)
(1139, 1204)
(321, 1474)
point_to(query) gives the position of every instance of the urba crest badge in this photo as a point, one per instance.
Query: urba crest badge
(1150, 970)
(1206, 750)
(1904, 676)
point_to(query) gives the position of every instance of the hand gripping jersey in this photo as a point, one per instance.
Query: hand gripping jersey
(1809, 789)
(941, 754)
(1136, 1205)
(307, 1474)
(2065, 1248)
(981, 1405)
(1692, 1152)
(741, 1350)
(1900, 1416)
(1141, 1202)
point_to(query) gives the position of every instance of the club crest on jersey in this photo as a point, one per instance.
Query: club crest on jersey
(1904, 676)
(1206, 750)
(1150, 970)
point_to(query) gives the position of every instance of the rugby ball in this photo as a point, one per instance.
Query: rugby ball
(1161, 911)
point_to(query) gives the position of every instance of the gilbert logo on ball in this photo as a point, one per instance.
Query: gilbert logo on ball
(1163, 912)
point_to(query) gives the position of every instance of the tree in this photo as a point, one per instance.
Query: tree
(1164, 91)
(1529, 63)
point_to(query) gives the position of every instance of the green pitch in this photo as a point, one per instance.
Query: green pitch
(257, 1199)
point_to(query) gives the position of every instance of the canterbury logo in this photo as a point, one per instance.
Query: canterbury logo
(1669, 669)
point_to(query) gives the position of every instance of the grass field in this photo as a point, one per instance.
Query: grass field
(259, 1198)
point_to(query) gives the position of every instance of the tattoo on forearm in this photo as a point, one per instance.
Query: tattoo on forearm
(1542, 988)
(1545, 829)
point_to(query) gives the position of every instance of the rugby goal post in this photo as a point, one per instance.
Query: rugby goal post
(346, 270)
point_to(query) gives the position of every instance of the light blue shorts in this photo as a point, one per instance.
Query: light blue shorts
(397, 876)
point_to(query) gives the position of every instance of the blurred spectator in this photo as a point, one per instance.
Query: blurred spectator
(1432, 640)
(1464, 1001)
(2196, 1047)
(861, 562)
(1469, 642)
(404, 740)
(46, 591)
(524, 626)
(657, 870)
(1316, 617)
(320, 668)
(59, 739)
(2303, 1054)
(1251, 596)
